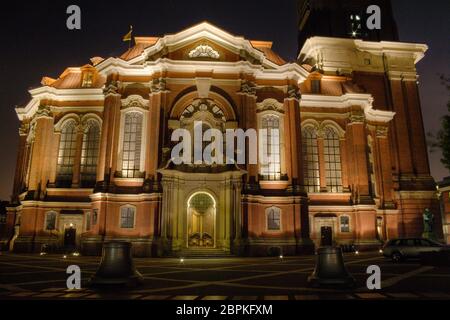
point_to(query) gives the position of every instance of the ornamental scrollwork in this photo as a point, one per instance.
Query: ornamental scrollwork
(204, 51)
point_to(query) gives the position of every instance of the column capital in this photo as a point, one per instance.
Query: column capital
(293, 92)
(357, 116)
(43, 112)
(112, 89)
(158, 85)
(248, 88)
(24, 128)
(382, 131)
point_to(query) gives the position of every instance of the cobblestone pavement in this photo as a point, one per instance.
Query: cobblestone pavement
(44, 277)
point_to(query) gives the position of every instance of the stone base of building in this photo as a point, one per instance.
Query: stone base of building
(271, 247)
(368, 245)
(141, 247)
(4, 244)
(26, 245)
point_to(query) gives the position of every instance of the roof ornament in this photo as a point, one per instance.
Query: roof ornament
(204, 51)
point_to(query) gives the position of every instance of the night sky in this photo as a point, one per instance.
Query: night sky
(36, 43)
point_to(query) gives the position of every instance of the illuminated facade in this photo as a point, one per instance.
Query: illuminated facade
(444, 192)
(350, 164)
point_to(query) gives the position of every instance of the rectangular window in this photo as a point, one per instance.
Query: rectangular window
(271, 148)
(89, 154)
(132, 145)
(87, 79)
(332, 157)
(50, 221)
(345, 224)
(66, 154)
(274, 219)
(127, 217)
(311, 160)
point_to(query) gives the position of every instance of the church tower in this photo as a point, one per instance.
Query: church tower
(344, 19)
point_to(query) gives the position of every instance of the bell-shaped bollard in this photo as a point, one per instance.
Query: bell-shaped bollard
(330, 269)
(116, 266)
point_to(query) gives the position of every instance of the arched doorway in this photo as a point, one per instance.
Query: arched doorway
(201, 210)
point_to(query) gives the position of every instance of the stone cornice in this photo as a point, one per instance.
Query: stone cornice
(364, 101)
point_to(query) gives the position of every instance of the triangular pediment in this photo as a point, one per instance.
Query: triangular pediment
(204, 42)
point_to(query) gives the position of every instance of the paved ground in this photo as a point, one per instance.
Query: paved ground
(36, 277)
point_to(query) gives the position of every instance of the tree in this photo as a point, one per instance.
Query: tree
(442, 140)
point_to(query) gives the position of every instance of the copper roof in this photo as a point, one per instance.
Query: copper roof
(72, 78)
(266, 48)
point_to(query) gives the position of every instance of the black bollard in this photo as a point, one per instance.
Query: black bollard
(330, 269)
(116, 266)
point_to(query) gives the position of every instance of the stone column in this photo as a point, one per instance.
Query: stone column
(401, 127)
(21, 163)
(110, 114)
(304, 243)
(383, 157)
(249, 121)
(153, 140)
(294, 120)
(344, 165)
(238, 218)
(358, 153)
(41, 156)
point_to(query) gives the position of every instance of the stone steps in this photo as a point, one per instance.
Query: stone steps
(203, 253)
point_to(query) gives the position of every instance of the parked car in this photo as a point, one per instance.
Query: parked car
(402, 249)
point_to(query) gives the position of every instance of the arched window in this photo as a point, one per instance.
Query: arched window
(131, 150)
(50, 221)
(332, 157)
(66, 154)
(89, 153)
(311, 168)
(127, 217)
(271, 170)
(273, 219)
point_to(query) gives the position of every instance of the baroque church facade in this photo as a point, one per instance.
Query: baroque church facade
(349, 165)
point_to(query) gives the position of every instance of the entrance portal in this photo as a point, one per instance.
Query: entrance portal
(70, 238)
(201, 220)
(326, 236)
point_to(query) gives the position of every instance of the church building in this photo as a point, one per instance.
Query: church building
(348, 167)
